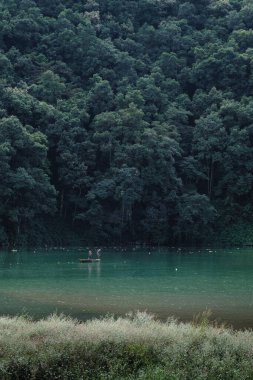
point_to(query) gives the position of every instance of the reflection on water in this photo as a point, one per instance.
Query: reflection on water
(165, 282)
(93, 269)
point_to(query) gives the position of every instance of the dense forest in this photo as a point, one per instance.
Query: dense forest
(125, 120)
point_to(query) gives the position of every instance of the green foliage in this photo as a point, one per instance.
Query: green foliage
(237, 234)
(25, 185)
(125, 348)
(126, 120)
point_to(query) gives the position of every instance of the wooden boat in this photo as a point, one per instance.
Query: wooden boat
(88, 260)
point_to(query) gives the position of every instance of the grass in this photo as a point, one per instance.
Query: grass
(134, 347)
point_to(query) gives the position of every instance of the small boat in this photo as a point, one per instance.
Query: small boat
(88, 260)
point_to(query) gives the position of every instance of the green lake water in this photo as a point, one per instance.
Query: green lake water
(166, 282)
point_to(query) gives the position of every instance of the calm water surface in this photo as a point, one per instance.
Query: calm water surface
(162, 281)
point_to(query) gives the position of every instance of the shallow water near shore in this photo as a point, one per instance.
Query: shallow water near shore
(167, 281)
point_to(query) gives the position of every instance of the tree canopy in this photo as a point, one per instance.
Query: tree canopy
(125, 120)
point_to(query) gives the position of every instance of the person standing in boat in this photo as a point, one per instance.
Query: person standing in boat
(98, 253)
(90, 254)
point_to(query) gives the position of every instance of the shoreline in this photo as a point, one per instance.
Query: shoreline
(133, 347)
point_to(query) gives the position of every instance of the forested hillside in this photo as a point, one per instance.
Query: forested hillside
(125, 120)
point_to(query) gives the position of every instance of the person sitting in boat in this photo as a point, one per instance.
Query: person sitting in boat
(98, 253)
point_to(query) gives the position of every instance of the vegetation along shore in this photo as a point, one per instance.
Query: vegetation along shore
(133, 347)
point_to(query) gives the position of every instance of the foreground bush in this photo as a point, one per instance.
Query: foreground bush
(135, 347)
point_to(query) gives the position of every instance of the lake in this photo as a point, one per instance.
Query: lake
(166, 282)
